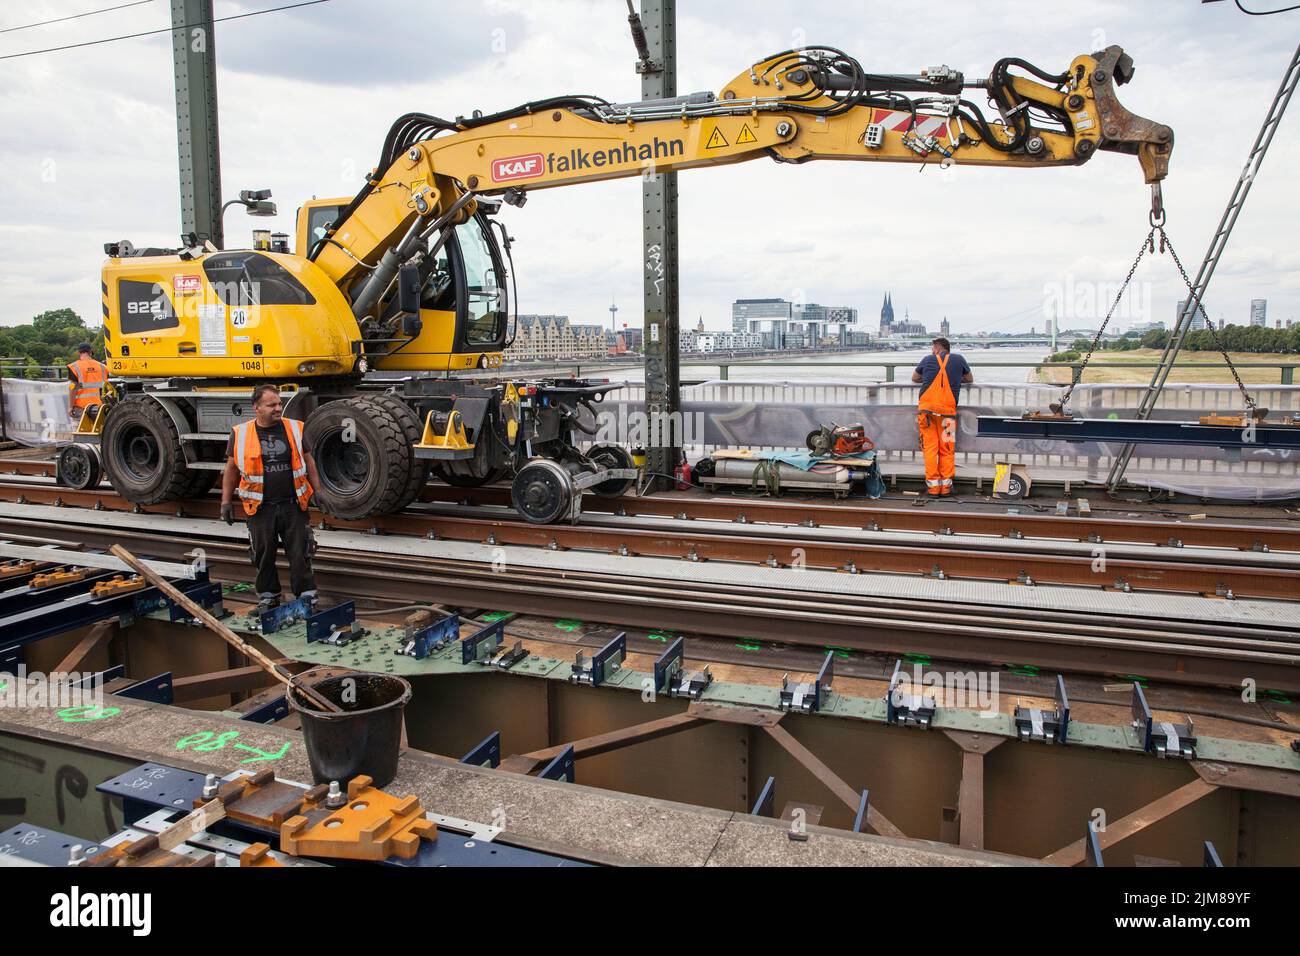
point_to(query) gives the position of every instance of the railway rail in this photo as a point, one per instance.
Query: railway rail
(1160, 648)
(628, 526)
(941, 518)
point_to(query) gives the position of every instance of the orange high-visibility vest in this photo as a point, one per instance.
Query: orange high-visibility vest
(87, 382)
(938, 397)
(248, 456)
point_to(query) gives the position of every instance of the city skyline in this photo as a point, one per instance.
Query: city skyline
(866, 322)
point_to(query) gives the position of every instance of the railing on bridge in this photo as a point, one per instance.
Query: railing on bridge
(1286, 370)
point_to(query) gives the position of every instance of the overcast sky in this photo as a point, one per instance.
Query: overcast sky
(88, 150)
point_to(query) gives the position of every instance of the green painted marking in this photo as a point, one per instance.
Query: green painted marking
(663, 637)
(491, 617)
(1278, 696)
(1022, 670)
(77, 715)
(841, 652)
(568, 626)
(750, 646)
(262, 754)
(917, 658)
(1142, 681)
(207, 740)
(236, 588)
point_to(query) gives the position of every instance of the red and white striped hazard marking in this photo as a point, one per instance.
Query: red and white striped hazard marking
(898, 121)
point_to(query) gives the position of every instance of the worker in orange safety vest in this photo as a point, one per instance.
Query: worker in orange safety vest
(86, 377)
(269, 465)
(941, 376)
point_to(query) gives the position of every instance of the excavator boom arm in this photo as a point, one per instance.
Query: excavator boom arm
(796, 106)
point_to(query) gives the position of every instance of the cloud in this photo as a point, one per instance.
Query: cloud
(88, 143)
(367, 43)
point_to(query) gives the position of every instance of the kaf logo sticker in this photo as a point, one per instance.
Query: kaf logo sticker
(516, 167)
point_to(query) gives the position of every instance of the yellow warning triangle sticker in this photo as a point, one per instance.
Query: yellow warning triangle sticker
(746, 136)
(716, 140)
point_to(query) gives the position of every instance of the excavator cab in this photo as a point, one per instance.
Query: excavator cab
(462, 319)
(314, 221)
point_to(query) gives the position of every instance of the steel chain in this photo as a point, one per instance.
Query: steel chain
(1218, 343)
(1147, 243)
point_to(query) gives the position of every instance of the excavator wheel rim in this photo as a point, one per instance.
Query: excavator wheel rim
(380, 437)
(140, 429)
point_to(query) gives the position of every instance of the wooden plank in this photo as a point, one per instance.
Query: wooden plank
(625, 737)
(226, 634)
(235, 680)
(850, 797)
(1139, 819)
(98, 636)
(519, 764)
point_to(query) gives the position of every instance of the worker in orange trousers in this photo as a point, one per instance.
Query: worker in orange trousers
(941, 376)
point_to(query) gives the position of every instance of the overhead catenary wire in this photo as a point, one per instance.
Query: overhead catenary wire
(171, 29)
(75, 16)
(1265, 13)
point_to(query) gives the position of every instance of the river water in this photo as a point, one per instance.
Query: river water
(824, 369)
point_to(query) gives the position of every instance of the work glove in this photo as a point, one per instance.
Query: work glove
(228, 512)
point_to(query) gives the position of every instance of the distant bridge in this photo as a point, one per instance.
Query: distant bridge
(993, 341)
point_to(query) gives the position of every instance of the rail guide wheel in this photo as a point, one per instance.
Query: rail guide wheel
(609, 455)
(543, 493)
(78, 467)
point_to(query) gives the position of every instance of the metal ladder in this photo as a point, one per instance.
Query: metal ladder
(1193, 304)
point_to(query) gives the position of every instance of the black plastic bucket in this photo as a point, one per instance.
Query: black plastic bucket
(365, 738)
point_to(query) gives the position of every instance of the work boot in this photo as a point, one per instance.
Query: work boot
(309, 601)
(268, 602)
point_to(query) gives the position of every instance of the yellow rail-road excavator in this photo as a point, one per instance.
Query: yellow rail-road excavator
(409, 277)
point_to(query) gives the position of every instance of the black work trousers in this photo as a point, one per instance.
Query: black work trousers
(282, 524)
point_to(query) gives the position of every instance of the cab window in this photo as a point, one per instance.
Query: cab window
(485, 300)
(319, 220)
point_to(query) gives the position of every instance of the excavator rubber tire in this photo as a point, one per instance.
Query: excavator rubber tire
(142, 453)
(413, 428)
(365, 476)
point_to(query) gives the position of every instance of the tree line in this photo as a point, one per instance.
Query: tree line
(1235, 338)
(50, 339)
